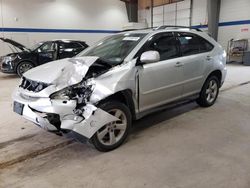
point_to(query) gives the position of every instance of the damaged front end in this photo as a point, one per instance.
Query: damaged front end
(63, 105)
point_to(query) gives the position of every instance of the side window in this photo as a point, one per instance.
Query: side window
(166, 45)
(70, 45)
(46, 47)
(192, 44)
(189, 44)
(205, 46)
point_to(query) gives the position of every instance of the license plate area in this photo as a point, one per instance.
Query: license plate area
(18, 107)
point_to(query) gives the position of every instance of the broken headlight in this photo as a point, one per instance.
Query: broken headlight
(80, 92)
(62, 94)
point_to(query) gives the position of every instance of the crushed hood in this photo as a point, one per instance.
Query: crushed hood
(16, 44)
(62, 73)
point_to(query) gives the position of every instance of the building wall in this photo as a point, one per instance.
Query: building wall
(199, 12)
(174, 13)
(231, 13)
(95, 19)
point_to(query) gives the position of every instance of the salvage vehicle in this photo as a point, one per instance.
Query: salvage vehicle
(22, 58)
(122, 78)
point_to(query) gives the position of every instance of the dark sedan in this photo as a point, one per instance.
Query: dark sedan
(23, 58)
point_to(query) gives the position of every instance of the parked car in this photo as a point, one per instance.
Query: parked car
(123, 78)
(23, 58)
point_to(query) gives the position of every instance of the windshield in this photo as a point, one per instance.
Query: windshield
(114, 49)
(34, 47)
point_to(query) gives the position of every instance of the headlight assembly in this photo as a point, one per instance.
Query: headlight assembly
(80, 92)
(10, 58)
(62, 94)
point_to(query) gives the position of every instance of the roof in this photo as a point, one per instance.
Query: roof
(163, 28)
(67, 40)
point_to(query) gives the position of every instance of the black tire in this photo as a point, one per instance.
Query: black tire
(23, 67)
(108, 107)
(203, 99)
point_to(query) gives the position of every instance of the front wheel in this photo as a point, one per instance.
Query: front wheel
(209, 92)
(113, 134)
(23, 67)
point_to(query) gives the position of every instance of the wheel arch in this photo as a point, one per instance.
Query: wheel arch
(24, 60)
(216, 73)
(125, 97)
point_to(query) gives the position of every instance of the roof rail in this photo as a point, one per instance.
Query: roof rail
(126, 30)
(177, 27)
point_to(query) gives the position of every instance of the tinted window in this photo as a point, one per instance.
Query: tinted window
(192, 44)
(70, 45)
(205, 46)
(189, 44)
(166, 45)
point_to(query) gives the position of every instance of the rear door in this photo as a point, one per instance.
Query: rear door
(196, 61)
(161, 82)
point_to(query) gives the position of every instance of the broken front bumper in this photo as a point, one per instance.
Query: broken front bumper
(38, 111)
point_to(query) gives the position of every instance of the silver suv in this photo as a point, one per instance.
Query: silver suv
(122, 78)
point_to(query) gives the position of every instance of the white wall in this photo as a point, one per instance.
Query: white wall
(232, 10)
(169, 14)
(199, 12)
(61, 14)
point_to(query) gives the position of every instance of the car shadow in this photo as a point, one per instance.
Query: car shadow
(80, 149)
(151, 120)
(161, 116)
(8, 76)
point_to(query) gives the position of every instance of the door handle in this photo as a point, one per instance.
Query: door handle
(209, 58)
(178, 64)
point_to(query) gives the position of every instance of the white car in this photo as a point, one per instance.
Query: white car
(122, 78)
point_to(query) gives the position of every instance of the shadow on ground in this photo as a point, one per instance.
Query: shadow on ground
(8, 76)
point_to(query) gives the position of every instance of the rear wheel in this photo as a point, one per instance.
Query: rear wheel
(113, 134)
(23, 67)
(209, 92)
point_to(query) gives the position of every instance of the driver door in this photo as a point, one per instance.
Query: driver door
(161, 82)
(47, 52)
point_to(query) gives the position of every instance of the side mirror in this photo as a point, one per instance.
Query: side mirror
(150, 57)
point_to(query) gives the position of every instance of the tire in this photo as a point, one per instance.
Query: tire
(209, 92)
(102, 138)
(23, 67)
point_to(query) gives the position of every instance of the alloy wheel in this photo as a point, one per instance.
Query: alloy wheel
(25, 67)
(211, 91)
(113, 132)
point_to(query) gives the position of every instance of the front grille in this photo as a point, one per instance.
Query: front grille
(33, 85)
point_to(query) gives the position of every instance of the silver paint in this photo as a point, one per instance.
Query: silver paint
(152, 85)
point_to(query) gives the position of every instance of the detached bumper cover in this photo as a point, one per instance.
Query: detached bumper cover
(36, 110)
